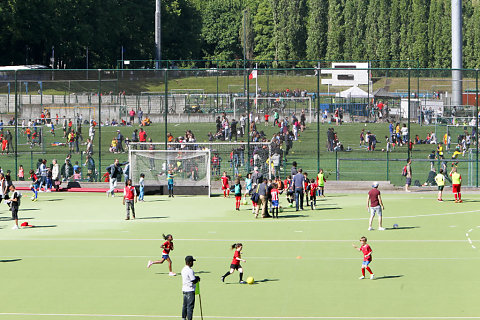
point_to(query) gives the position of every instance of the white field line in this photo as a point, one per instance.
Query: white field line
(166, 220)
(230, 240)
(222, 317)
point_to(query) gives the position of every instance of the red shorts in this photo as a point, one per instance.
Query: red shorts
(456, 188)
(224, 187)
(238, 198)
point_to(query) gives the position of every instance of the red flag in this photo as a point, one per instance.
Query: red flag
(253, 75)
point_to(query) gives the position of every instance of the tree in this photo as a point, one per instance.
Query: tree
(264, 32)
(222, 20)
(317, 28)
(336, 30)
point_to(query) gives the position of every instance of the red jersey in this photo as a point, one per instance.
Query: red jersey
(266, 117)
(167, 246)
(366, 250)
(142, 136)
(236, 255)
(224, 181)
(274, 194)
(313, 189)
(286, 183)
(129, 192)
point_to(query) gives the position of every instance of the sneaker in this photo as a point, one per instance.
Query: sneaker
(172, 274)
(372, 276)
(223, 278)
(460, 201)
(370, 229)
(15, 227)
(34, 200)
(361, 278)
(149, 264)
(380, 228)
(440, 200)
(242, 282)
(127, 218)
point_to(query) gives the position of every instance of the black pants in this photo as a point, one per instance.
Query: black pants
(188, 305)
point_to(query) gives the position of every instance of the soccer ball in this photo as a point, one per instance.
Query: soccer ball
(280, 209)
(245, 202)
(33, 198)
(395, 226)
(291, 205)
(250, 280)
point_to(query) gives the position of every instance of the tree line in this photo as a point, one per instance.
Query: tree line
(392, 32)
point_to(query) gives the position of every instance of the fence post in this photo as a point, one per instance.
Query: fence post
(388, 158)
(476, 124)
(99, 123)
(16, 126)
(336, 166)
(408, 112)
(217, 91)
(318, 118)
(248, 119)
(166, 108)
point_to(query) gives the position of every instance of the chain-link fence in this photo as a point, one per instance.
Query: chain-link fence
(315, 112)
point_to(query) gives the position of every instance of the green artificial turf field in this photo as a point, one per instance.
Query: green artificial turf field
(84, 261)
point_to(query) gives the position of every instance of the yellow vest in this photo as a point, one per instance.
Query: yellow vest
(440, 180)
(321, 183)
(456, 178)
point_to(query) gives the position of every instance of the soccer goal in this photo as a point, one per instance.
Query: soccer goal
(234, 158)
(191, 168)
(283, 105)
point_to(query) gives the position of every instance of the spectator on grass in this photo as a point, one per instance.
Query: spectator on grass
(90, 164)
(375, 206)
(293, 171)
(132, 116)
(139, 116)
(120, 142)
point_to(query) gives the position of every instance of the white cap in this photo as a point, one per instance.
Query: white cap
(375, 184)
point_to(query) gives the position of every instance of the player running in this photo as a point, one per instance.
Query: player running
(456, 184)
(367, 257)
(167, 246)
(237, 257)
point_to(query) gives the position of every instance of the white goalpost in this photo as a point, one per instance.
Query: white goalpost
(191, 168)
(283, 105)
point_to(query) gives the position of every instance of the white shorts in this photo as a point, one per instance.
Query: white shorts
(376, 210)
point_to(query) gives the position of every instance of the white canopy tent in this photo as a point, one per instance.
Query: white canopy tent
(353, 92)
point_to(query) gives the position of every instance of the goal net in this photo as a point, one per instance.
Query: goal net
(190, 167)
(234, 158)
(285, 106)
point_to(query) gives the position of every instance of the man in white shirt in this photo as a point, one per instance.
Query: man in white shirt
(189, 281)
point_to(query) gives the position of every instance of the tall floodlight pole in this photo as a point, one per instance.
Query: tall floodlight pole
(158, 34)
(457, 55)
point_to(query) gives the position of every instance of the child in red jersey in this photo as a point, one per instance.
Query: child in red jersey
(167, 246)
(238, 194)
(237, 257)
(274, 193)
(289, 187)
(225, 188)
(129, 198)
(367, 257)
(313, 193)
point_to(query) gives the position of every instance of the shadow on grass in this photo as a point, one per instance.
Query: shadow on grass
(51, 226)
(148, 218)
(9, 218)
(158, 200)
(266, 280)
(388, 277)
(55, 200)
(202, 272)
(335, 208)
(401, 228)
(10, 260)
(288, 216)
(31, 209)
